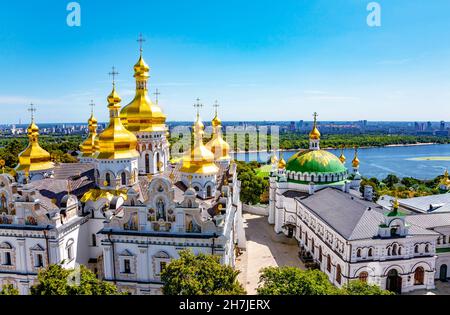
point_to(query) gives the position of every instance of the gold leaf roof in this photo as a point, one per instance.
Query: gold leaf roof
(34, 157)
(116, 142)
(142, 114)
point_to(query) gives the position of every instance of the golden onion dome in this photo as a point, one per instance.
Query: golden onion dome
(116, 142)
(34, 157)
(314, 134)
(217, 145)
(216, 122)
(142, 114)
(282, 164)
(342, 157)
(273, 159)
(355, 161)
(200, 160)
(89, 145)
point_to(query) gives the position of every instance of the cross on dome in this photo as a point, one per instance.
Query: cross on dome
(32, 110)
(140, 40)
(198, 105)
(216, 105)
(157, 94)
(113, 73)
(92, 105)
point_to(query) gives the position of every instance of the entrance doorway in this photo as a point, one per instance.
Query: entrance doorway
(443, 273)
(394, 282)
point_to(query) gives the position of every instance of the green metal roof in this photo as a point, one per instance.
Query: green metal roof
(315, 161)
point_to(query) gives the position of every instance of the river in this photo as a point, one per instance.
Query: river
(403, 161)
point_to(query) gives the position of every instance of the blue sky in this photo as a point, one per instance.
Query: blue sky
(261, 59)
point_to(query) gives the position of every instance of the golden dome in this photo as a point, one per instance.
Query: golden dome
(216, 122)
(34, 158)
(274, 158)
(217, 144)
(199, 160)
(342, 157)
(355, 161)
(282, 163)
(116, 142)
(89, 146)
(314, 134)
(142, 114)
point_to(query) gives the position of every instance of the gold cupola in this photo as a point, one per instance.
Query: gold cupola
(355, 161)
(282, 163)
(314, 134)
(89, 146)
(342, 157)
(116, 142)
(217, 145)
(34, 158)
(142, 115)
(200, 160)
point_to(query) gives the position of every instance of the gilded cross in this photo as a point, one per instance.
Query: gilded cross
(32, 110)
(113, 73)
(140, 40)
(157, 94)
(198, 105)
(315, 117)
(92, 105)
(216, 105)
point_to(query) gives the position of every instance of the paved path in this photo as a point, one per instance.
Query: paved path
(264, 249)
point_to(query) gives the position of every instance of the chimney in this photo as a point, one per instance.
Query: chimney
(368, 192)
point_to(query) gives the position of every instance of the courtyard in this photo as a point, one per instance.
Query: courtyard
(264, 248)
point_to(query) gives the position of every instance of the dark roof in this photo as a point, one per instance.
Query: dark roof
(340, 210)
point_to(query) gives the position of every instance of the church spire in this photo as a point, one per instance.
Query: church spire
(314, 135)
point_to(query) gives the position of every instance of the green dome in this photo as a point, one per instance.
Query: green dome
(315, 161)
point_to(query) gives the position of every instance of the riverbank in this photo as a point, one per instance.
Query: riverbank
(333, 148)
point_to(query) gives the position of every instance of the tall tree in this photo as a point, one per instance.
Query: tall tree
(199, 275)
(55, 280)
(294, 281)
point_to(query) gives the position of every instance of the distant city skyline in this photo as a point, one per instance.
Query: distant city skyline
(262, 61)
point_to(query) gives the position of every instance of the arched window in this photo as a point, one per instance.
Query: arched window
(416, 249)
(147, 163)
(158, 166)
(108, 179)
(394, 250)
(208, 191)
(312, 246)
(69, 249)
(329, 263)
(419, 276)
(123, 178)
(427, 248)
(389, 252)
(320, 253)
(358, 252)
(363, 276)
(306, 238)
(370, 252)
(399, 250)
(338, 274)
(312, 178)
(305, 178)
